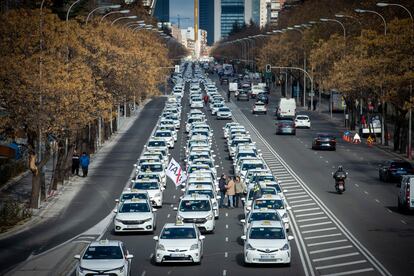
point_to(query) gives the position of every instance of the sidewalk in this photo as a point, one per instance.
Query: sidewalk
(19, 188)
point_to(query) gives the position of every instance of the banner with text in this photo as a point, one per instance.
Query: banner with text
(175, 173)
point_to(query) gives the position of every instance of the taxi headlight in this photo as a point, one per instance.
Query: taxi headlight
(209, 217)
(285, 247)
(179, 217)
(194, 247)
(249, 247)
(118, 220)
(160, 247)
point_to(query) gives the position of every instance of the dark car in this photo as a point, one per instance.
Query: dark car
(393, 170)
(324, 141)
(285, 127)
(224, 80)
(262, 97)
(243, 95)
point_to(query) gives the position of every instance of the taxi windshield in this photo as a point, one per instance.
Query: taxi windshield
(156, 143)
(257, 178)
(151, 167)
(201, 192)
(250, 166)
(146, 186)
(102, 253)
(195, 205)
(133, 195)
(263, 216)
(178, 233)
(197, 168)
(268, 203)
(267, 233)
(163, 134)
(135, 207)
(264, 191)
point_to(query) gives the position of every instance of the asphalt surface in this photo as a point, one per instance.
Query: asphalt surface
(367, 208)
(93, 202)
(223, 250)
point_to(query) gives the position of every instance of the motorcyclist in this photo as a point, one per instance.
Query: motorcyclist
(340, 174)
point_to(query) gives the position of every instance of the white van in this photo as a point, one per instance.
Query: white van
(286, 108)
(406, 193)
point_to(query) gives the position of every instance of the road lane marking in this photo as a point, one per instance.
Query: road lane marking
(327, 242)
(305, 210)
(335, 257)
(227, 239)
(143, 273)
(389, 211)
(224, 272)
(356, 185)
(226, 254)
(227, 226)
(319, 230)
(296, 197)
(315, 224)
(293, 194)
(403, 222)
(168, 215)
(301, 205)
(310, 214)
(330, 249)
(299, 201)
(173, 196)
(350, 272)
(365, 192)
(341, 264)
(227, 214)
(376, 200)
(323, 236)
(312, 219)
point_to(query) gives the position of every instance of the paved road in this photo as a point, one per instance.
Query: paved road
(367, 209)
(223, 249)
(93, 202)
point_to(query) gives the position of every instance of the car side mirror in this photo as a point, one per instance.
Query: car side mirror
(115, 211)
(155, 238)
(285, 191)
(182, 190)
(175, 209)
(243, 221)
(202, 237)
(135, 165)
(243, 237)
(288, 208)
(129, 256)
(77, 257)
(290, 238)
(218, 197)
(117, 200)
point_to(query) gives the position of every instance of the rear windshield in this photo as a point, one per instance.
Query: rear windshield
(405, 165)
(178, 233)
(103, 252)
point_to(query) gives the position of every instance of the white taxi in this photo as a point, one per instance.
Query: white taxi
(152, 187)
(205, 190)
(179, 242)
(302, 121)
(267, 242)
(258, 215)
(273, 202)
(197, 209)
(135, 215)
(259, 107)
(105, 257)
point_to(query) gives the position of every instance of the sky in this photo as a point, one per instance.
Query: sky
(185, 8)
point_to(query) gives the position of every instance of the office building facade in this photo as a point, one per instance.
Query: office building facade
(206, 18)
(162, 10)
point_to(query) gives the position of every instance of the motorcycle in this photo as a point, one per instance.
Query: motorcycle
(340, 183)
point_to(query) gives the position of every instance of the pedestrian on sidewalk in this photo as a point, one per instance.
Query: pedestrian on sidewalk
(75, 162)
(222, 187)
(231, 192)
(239, 187)
(84, 162)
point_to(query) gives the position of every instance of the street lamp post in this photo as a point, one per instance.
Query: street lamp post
(382, 92)
(113, 12)
(123, 17)
(101, 8)
(337, 21)
(381, 4)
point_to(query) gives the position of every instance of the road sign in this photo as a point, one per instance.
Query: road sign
(268, 68)
(177, 69)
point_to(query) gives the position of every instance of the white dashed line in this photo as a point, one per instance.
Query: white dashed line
(377, 201)
(168, 215)
(365, 192)
(143, 273)
(323, 236)
(336, 257)
(356, 185)
(330, 249)
(319, 230)
(227, 214)
(327, 242)
(227, 239)
(389, 211)
(224, 272)
(340, 264)
(227, 226)
(308, 215)
(173, 196)
(226, 254)
(402, 221)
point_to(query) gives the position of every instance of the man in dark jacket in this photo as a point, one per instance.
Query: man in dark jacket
(222, 187)
(75, 163)
(84, 162)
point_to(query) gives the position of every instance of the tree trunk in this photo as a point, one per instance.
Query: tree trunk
(58, 175)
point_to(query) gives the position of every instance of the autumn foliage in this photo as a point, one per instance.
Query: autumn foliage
(58, 77)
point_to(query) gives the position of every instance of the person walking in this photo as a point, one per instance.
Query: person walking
(75, 163)
(222, 187)
(231, 192)
(239, 188)
(84, 162)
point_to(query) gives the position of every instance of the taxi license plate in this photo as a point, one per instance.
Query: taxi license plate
(267, 257)
(177, 255)
(131, 226)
